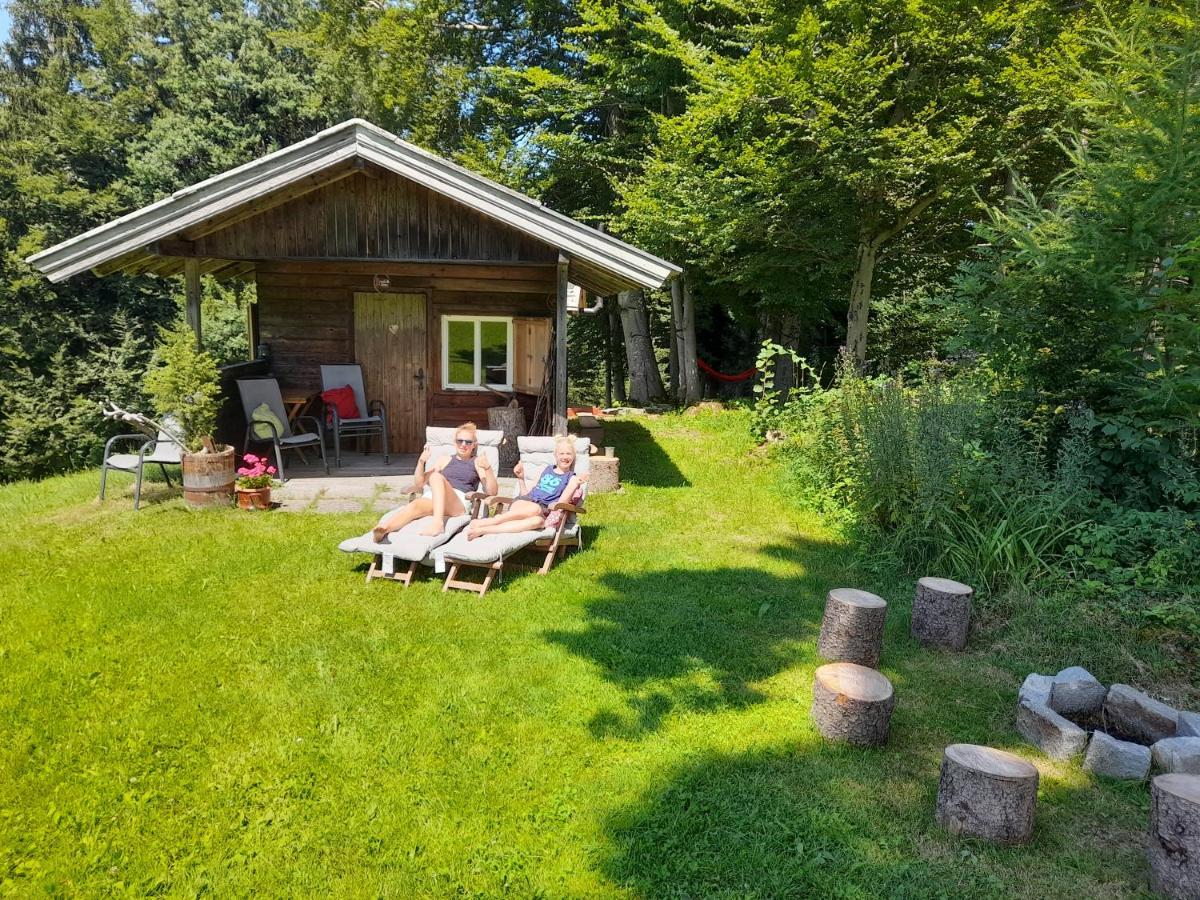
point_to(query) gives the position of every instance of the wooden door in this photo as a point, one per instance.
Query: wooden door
(390, 345)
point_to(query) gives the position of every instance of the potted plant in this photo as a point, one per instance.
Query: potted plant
(182, 384)
(254, 482)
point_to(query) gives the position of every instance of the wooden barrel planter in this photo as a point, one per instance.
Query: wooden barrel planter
(208, 478)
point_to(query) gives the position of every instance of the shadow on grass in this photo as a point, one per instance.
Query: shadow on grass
(767, 824)
(643, 461)
(693, 640)
(817, 820)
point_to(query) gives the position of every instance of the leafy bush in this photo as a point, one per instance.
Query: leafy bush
(182, 382)
(1087, 295)
(944, 475)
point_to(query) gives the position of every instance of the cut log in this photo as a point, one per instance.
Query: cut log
(1175, 836)
(987, 793)
(852, 703)
(510, 420)
(606, 475)
(852, 628)
(941, 613)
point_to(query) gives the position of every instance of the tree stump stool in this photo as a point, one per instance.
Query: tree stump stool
(852, 703)
(941, 613)
(510, 420)
(606, 475)
(852, 628)
(1175, 836)
(987, 793)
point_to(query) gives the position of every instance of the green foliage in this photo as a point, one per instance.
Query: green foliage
(767, 399)
(944, 475)
(1088, 294)
(809, 132)
(182, 382)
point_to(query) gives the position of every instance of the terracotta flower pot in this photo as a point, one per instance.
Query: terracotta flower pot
(254, 498)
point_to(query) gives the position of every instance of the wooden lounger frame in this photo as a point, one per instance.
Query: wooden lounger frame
(555, 548)
(376, 569)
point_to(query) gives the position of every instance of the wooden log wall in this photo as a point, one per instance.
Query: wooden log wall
(373, 214)
(306, 316)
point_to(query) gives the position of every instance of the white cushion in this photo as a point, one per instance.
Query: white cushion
(491, 547)
(407, 543)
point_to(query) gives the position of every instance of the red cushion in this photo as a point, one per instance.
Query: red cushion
(341, 399)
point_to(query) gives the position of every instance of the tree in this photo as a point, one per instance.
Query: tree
(1088, 294)
(837, 133)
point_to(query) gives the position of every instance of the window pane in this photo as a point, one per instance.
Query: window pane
(494, 352)
(460, 346)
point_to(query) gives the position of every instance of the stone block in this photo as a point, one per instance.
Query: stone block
(1054, 735)
(1036, 689)
(1112, 758)
(1180, 755)
(1077, 693)
(1135, 716)
(1188, 724)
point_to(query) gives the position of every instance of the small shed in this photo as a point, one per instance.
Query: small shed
(442, 284)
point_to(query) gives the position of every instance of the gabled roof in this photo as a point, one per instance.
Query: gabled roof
(598, 260)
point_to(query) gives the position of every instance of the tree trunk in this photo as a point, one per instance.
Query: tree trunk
(645, 382)
(689, 372)
(860, 299)
(608, 358)
(676, 377)
(618, 368)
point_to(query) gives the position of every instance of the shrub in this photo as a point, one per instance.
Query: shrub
(182, 382)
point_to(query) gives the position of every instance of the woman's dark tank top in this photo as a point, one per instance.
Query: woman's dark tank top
(461, 474)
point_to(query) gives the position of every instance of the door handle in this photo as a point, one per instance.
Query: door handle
(420, 378)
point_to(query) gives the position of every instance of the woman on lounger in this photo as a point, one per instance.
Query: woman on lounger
(528, 512)
(444, 487)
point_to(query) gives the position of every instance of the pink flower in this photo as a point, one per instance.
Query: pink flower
(250, 458)
(243, 471)
(270, 470)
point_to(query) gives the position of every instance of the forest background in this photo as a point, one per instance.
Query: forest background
(957, 239)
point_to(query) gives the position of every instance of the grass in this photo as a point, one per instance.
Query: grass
(213, 702)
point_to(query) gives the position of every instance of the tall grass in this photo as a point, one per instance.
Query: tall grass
(939, 476)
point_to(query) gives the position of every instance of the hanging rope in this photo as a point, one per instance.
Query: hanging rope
(721, 376)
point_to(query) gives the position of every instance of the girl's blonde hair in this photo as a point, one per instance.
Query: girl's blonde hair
(466, 426)
(561, 439)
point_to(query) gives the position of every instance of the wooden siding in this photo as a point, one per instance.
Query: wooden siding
(306, 316)
(375, 216)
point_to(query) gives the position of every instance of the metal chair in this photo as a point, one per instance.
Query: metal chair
(257, 391)
(374, 423)
(164, 449)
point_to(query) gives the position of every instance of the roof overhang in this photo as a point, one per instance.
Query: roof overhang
(598, 260)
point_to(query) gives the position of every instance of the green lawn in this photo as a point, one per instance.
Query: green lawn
(197, 702)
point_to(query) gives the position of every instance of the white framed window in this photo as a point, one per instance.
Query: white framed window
(477, 351)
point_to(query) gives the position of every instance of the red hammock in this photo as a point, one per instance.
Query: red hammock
(721, 376)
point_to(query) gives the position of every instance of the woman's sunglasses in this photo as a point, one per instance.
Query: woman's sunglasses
(465, 441)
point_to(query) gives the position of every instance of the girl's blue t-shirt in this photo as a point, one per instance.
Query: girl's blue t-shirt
(550, 486)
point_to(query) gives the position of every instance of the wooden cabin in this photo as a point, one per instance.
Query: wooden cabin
(448, 288)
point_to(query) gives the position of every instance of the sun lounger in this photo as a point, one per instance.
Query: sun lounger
(491, 551)
(399, 554)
